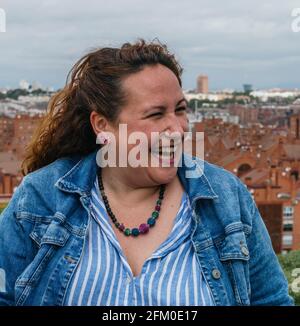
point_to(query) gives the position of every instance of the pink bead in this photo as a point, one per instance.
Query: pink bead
(157, 208)
(144, 228)
(122, 227)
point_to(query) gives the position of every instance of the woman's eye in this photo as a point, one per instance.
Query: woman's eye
(155, 114)
(158, 114)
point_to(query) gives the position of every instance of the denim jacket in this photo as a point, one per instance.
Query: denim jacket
(43, 229)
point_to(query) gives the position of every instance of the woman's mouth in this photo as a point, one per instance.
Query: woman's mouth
(164, 154)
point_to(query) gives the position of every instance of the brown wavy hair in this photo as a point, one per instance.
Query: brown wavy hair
(93, 84)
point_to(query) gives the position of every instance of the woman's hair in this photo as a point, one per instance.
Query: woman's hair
(93, 84)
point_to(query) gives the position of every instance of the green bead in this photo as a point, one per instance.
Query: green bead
(158, 202)
(155, 214)
(151, 221)
(127, 232)
(135, 232)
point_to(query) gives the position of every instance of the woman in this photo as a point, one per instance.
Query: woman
(76, 233)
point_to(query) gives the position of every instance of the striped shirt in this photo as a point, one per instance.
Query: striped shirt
(170, 276)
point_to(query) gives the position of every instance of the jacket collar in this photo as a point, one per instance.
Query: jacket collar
(194, 180)
(80, 178)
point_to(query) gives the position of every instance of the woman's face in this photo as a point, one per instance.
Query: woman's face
(155, 104)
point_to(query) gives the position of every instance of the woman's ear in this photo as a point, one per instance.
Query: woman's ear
(98, 122)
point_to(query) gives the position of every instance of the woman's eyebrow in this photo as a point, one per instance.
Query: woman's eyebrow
(182, 100)
(163, 107)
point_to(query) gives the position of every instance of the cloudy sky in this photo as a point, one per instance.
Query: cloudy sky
(232, 41)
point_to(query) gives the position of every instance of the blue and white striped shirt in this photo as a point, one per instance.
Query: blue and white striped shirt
(170, 276)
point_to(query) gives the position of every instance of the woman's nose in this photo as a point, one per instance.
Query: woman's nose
(174, 124)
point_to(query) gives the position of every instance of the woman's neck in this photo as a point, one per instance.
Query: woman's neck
(121, 185)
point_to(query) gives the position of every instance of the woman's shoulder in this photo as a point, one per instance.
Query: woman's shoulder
(231, 191)
(217, 176)
(51, 172)
(37, 192)
(221, 178)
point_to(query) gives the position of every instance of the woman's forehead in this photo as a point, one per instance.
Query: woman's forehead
(152, 87)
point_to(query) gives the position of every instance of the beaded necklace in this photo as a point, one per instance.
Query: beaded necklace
(144, 227)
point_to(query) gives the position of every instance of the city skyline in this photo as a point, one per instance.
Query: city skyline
(234, 44)
(35, 85)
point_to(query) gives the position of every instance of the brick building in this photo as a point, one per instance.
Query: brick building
(6, 132)
(24, 127)
(15, 134)
(202, 84)
(10, 174)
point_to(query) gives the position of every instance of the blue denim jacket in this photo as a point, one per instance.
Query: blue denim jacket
(43, 229)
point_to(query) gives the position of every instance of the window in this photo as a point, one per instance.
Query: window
(288, 213)
(285, 251)
(287, 239)
(287, 226)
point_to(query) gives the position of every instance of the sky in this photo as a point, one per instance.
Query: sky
(233, 41)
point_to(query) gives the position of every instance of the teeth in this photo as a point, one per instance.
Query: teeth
(166, 151)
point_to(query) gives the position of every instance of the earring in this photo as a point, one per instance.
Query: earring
(103, 138)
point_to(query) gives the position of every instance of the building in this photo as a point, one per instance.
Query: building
(295, 126)
(202, 84)
(10, 173)
(24, 127)
(6, 132)
(24, 84)
(15, 134)
(247, 88)
(246, 114)
(267, 160)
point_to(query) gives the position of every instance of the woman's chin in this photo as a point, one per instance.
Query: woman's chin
(163, 175)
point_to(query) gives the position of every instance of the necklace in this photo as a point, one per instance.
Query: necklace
(144, 227)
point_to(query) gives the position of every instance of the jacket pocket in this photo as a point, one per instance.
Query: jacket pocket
(53, 233)
(48, 237)
(234, 255)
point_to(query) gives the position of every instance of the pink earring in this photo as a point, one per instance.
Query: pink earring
(103, 138)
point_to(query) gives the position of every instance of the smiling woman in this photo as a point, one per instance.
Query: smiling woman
(81, 232)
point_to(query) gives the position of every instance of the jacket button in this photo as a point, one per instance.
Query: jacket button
(245, 251)
(216, 274)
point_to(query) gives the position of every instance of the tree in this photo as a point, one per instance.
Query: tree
(2, 206)
(290, 264)
(15, 93)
